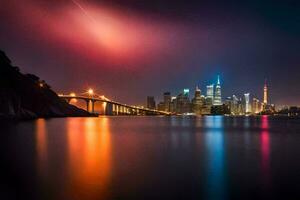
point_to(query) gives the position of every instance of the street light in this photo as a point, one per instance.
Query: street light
(90, 92)
(72, 94)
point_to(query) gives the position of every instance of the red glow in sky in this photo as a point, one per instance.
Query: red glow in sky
(100, 32)
(153, 47)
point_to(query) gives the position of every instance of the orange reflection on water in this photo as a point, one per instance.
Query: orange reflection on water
(41, 143)
(89, 153)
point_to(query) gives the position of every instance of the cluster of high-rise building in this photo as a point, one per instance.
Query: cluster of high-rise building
(245, 105)
(249, 105)
(212, 102)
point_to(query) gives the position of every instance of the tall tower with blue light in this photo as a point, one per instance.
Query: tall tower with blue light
(218, 94)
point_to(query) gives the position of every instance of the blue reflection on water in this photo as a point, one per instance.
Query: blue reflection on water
(214, 142)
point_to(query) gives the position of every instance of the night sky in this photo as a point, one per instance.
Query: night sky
(128, 49)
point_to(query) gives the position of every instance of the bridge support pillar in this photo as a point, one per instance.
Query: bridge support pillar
(90, 103)
(93, 106)
(108, 108)
(113, 109)
(87, 105)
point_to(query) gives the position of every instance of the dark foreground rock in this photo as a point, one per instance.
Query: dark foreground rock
(25, 96)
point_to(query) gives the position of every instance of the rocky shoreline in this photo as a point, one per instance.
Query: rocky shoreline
(26, 96)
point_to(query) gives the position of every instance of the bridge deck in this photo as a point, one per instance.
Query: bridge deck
(95, 99)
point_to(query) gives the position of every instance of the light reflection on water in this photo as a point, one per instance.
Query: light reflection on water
(41, 145)
(211, 157)
(265, 153)
(216, 173)
(89, 155)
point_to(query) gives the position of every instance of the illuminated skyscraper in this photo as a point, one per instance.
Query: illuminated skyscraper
(265, 93)
(247, 103)
(209, 95)
(255, 106)
(210, 92)
(235, 105)
(218, 96)
(197, 102)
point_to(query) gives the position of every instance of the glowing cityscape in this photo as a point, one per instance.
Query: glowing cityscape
(213, 103)
(149, 100)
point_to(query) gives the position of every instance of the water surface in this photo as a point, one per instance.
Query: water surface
(211, 157)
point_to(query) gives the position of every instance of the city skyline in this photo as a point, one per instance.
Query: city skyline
(211, 101)
(166, 45)
(211, 92)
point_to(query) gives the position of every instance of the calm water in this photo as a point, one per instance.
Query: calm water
(151, 158)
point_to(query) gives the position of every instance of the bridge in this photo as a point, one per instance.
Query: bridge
(110, 107)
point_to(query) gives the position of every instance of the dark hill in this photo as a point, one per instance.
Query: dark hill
(25, 96)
